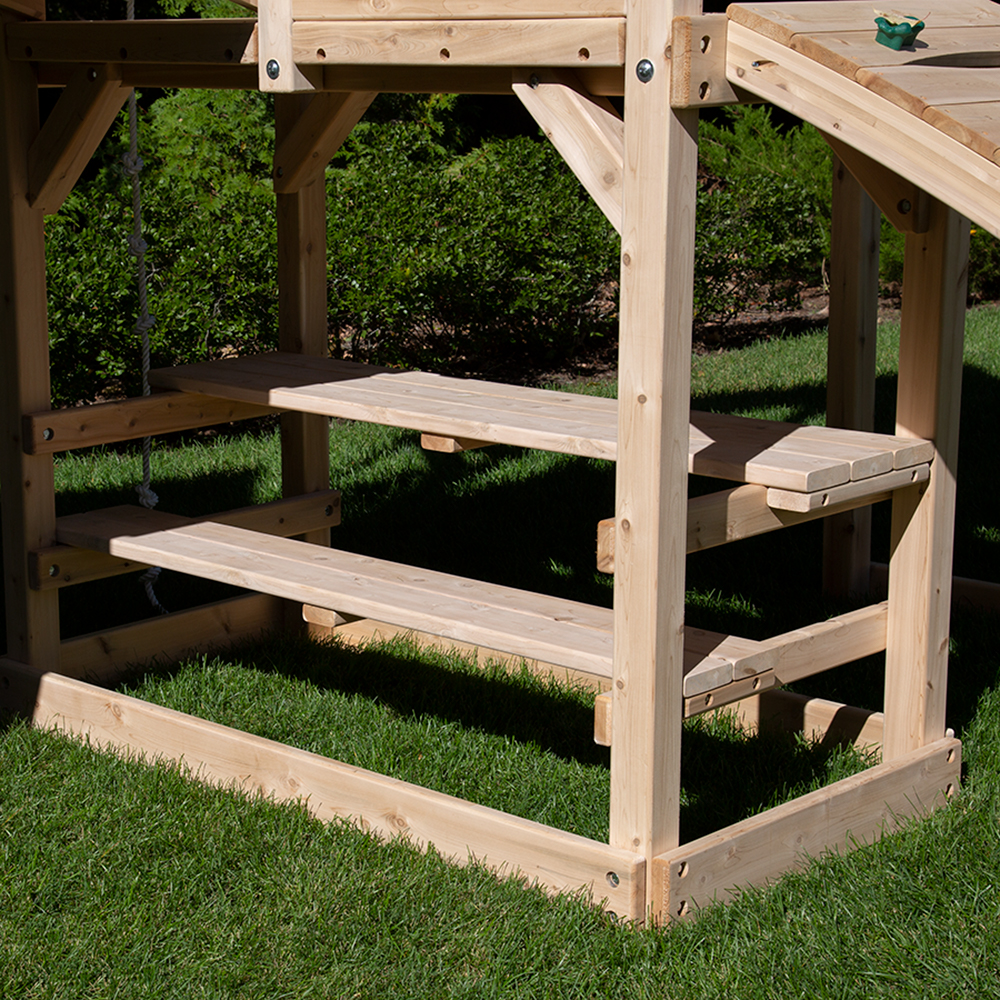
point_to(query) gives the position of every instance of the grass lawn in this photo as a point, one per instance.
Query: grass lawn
(121, 880)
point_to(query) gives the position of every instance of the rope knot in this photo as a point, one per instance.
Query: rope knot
(137, 246)
(132, 164)
(146, 496)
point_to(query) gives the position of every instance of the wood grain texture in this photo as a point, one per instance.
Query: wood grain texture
(49, 431)
(587, 131)
(698, 63)
(311, 142)
(842, 816)
(555, 42)
(105, 656)
(330, 790)
(903, 142)
(932, 329)
(26, 482)
(72, 132)
(396, 10)
(58, 566)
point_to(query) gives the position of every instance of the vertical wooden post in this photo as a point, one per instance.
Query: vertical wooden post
(935, 276)
(850, 373)
(302, 319)
(657, 267)
(26, 482)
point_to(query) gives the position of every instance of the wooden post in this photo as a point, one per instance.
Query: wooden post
(26, 482)
(302, 312)
(850, 377)
(930, 381)
(657, 267)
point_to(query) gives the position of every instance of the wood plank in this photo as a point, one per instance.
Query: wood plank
(58, 566)
(974, 125)
(49, 431)
(26, 482)
(29, 8)
(330, 790)
(877, 486)
(903, 203)
(842, 816)
(932, 330)
(549, 42)
(819, 720)
(587, 131)
(106, 655)
(850, 365)
(698, 704)
(698, 63)
(302, 314)
(919, 87)
(783, 21)
(657, 264)
(398, 10)
(450, 445)
(303, 154)
(219, 42)
(906, 144)
(72, 132)
(982, 594)
(277, 71)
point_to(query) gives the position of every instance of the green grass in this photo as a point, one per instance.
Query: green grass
(123, 880)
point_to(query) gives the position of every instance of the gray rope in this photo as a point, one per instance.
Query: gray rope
(132, 164)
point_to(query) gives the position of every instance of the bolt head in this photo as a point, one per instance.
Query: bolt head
(533, 81)
(273, 69)
(644, 70)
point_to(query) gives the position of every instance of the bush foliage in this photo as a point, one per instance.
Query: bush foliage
(450, 238)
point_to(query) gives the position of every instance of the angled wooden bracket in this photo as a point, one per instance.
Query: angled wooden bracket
(277, 72)
(587, 131)
(303, 154)
(902, 202)
(35, 9)
(698, 63)
(79, 121)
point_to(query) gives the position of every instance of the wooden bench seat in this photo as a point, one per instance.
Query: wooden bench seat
(788, 458)
(567, 633)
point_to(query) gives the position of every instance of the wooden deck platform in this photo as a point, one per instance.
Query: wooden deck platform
(787, 457)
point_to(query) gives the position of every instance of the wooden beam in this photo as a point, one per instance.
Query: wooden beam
(850, 366)
(903, 203)
(57, 566)
(554, 42)
(303, 154)
(27, 482)
(698, 63)
(840, 817)
(982, 594)
(277, 71)
(28, 8)
(728, 516)
(819, 720)
(932, 329)
(450, 445)
(657, 264)
(302, 318)
(104, 656)
(75, 127)
(400, 10)
(386, 807)
(586, 130)
(47, 431)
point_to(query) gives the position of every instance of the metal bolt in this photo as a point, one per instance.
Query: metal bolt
(53, 570)
(91, 75)
(644, 70)
(273, 69)
(533, 81)
(904, 207)
(280, 171)
(48, 434)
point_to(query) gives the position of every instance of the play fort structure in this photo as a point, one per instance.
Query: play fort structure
(916, 132)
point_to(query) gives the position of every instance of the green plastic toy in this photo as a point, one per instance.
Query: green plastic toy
(897, 31)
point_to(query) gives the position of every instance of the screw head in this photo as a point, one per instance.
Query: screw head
(48, 433)
(533, 81)
(644, 70)
(273, 69)
(904, 207)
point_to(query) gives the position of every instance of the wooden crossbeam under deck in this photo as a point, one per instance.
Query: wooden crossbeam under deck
(786, 457)
(330, 790)
(535, 626)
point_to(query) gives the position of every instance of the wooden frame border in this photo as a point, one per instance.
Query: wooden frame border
(330, 790)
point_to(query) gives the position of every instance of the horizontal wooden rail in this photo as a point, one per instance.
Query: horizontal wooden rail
(66, 565)
(49, 431)
(842, 816)
(330, 790)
